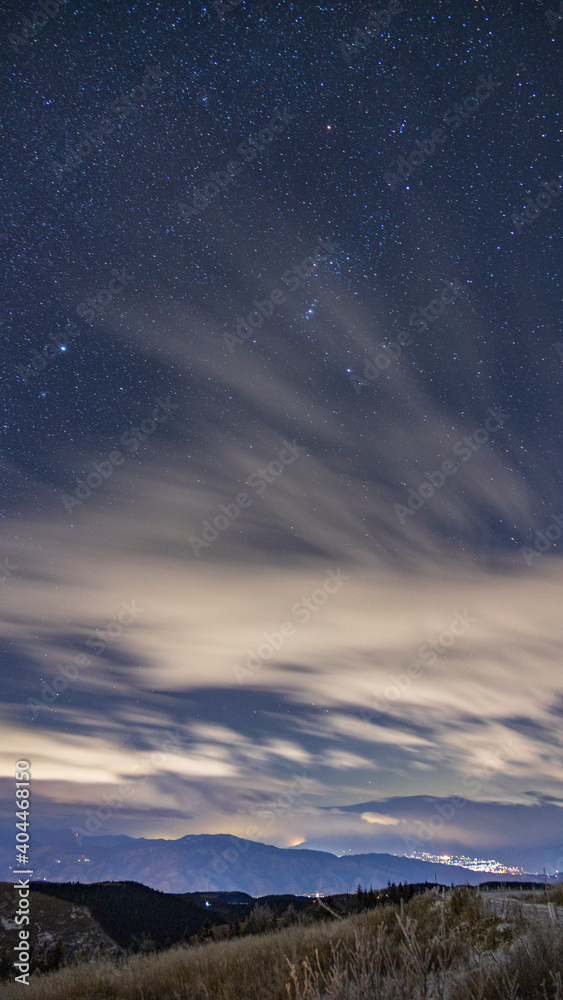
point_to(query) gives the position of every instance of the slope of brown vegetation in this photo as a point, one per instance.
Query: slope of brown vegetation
(449, 947)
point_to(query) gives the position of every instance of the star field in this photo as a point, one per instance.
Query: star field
(314, 247)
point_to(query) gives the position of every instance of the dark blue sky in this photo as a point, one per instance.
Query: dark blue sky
(281, 431)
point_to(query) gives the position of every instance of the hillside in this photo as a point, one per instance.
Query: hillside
(132, 914)
(439, 944)
(60, 931)
(138, 918)
(74, 922)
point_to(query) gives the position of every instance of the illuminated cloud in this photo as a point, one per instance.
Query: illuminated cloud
(378, 694)
(371, 817)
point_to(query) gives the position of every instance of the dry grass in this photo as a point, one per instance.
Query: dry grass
(242, 969)
(445, 948)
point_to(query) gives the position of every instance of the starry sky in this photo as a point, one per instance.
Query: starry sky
(281, 432)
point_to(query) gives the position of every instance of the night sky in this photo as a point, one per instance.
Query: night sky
(281, 432)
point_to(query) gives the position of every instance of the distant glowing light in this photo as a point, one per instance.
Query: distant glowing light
(475, 864)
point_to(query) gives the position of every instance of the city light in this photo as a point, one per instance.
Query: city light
(474, 864)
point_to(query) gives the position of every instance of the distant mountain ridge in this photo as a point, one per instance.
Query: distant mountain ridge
(220, 862)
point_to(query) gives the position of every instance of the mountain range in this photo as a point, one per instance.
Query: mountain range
(200, 862)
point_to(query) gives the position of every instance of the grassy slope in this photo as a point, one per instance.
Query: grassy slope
(435, 934)
(245, 969)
